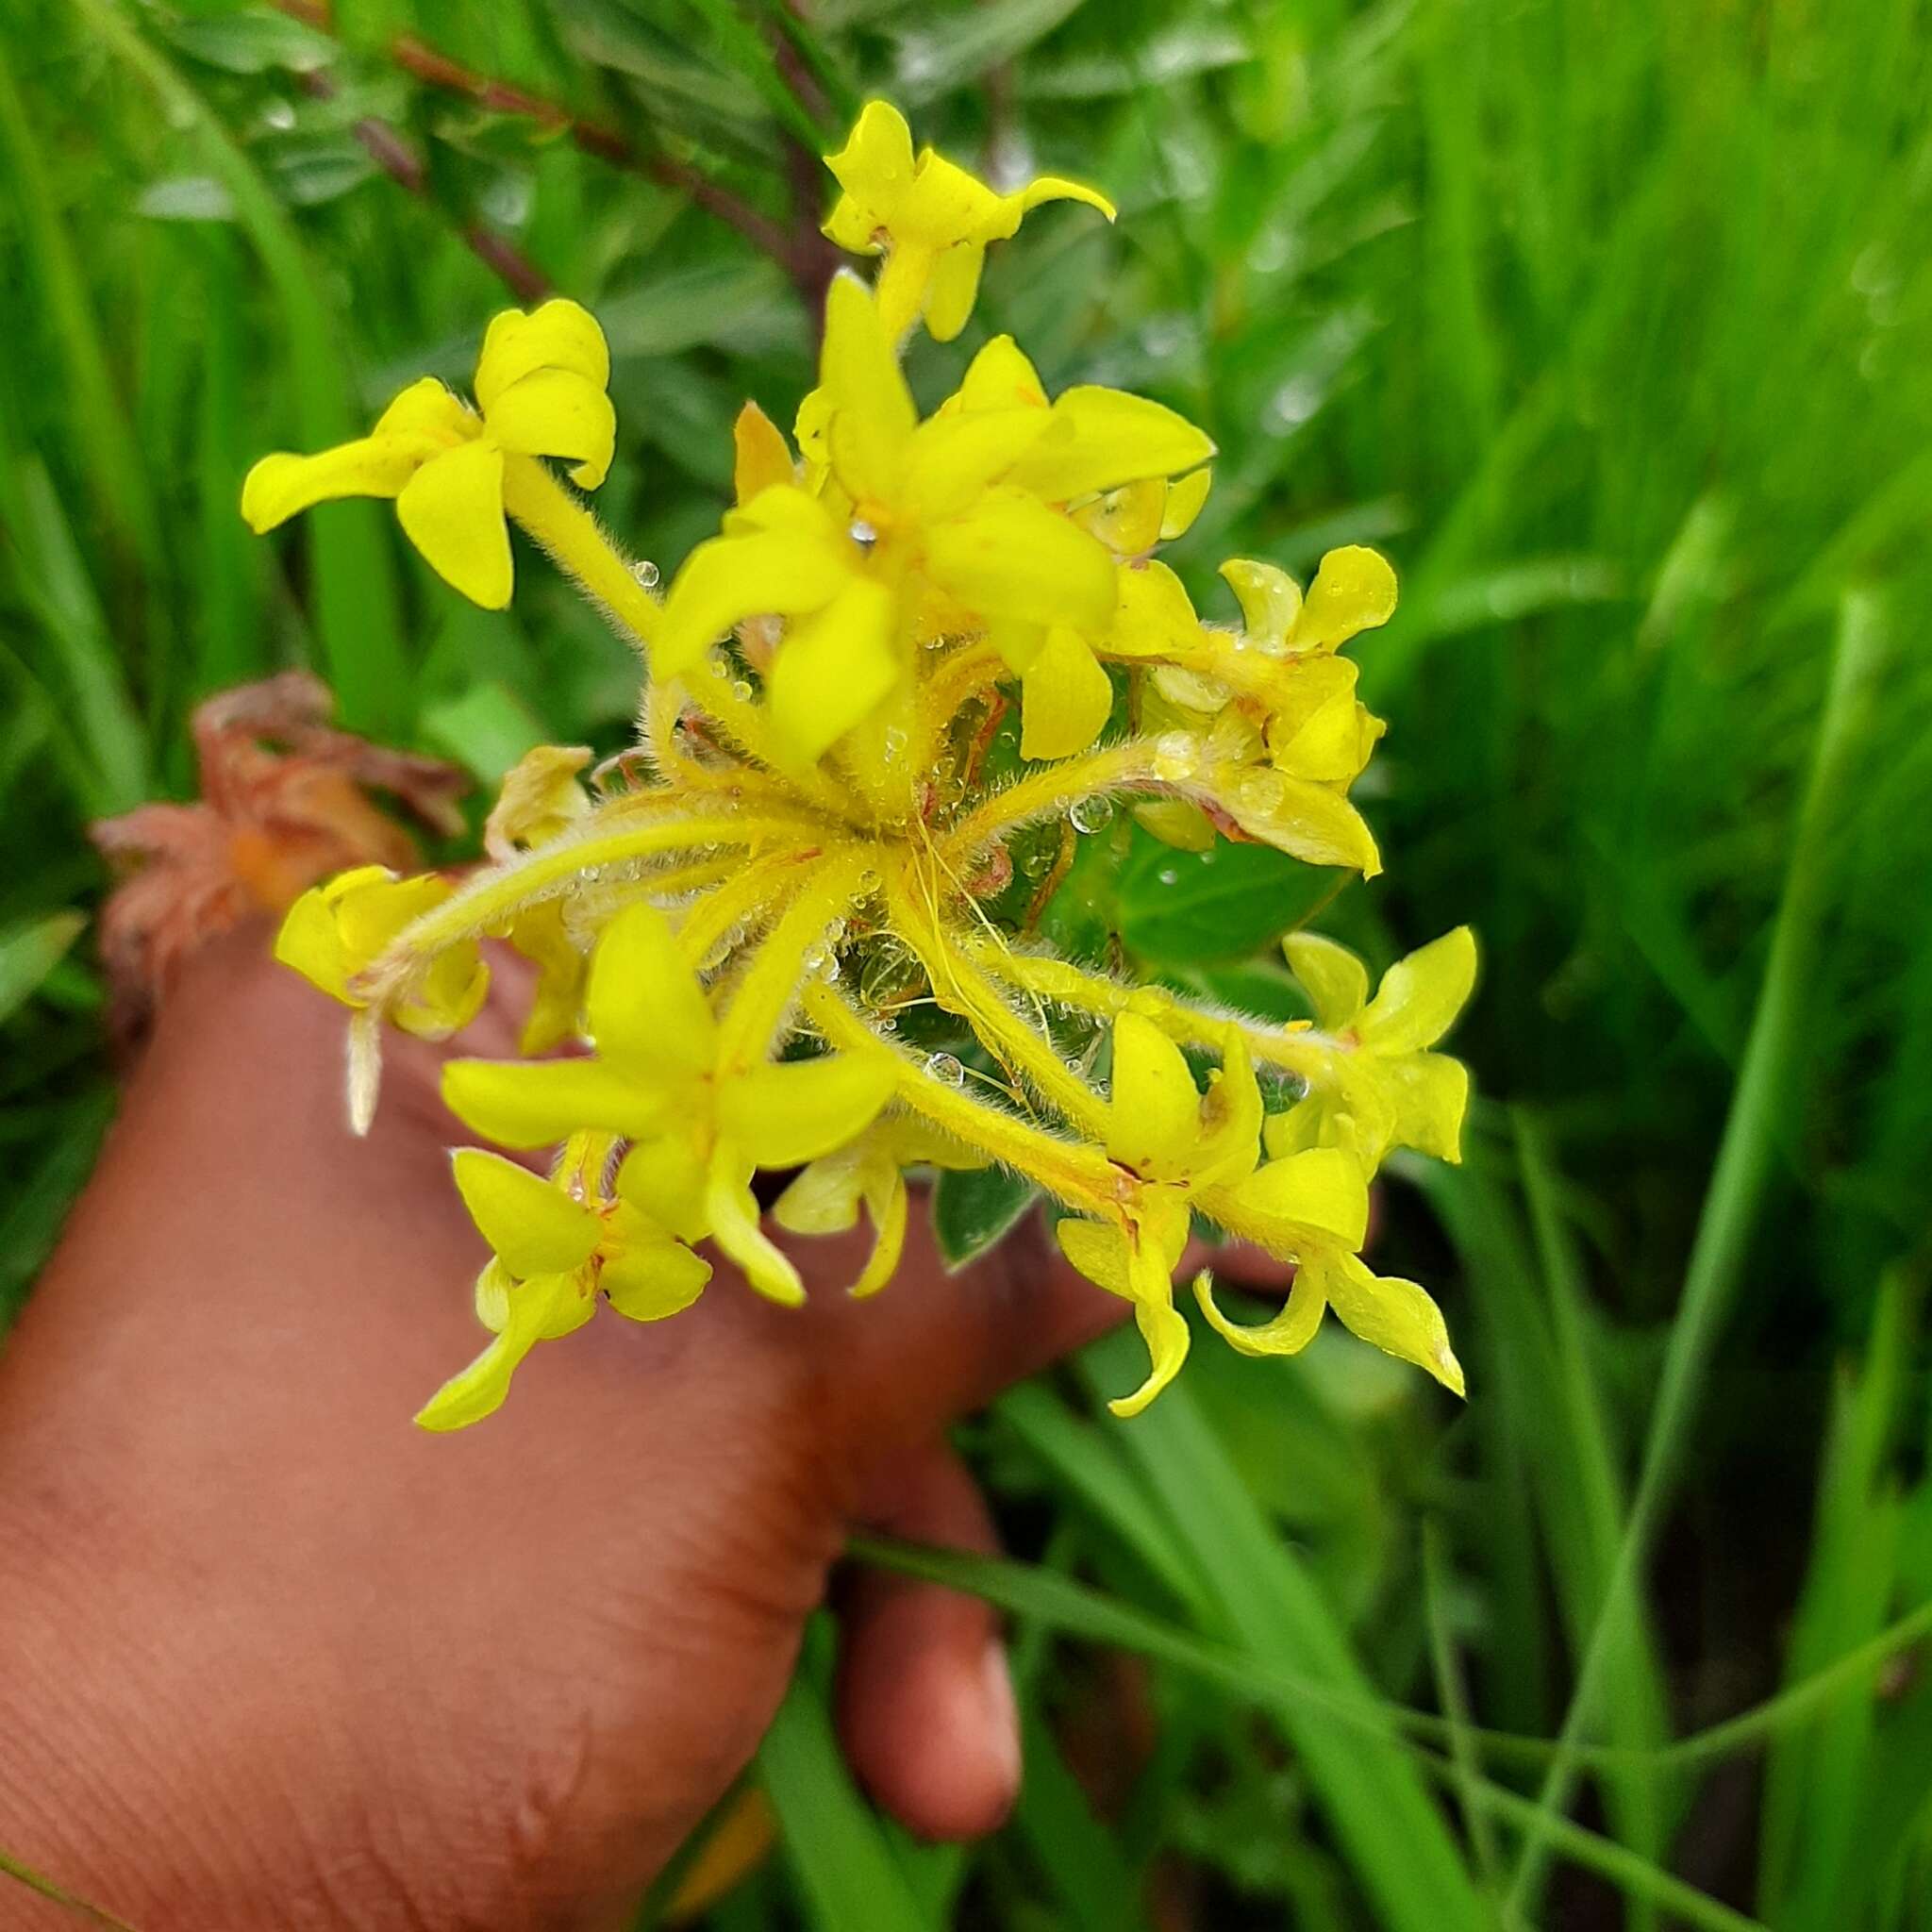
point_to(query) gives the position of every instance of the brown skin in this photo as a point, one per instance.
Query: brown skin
(272, 1656)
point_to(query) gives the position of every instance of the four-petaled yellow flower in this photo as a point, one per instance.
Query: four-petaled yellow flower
(335, 931)
(454, 470)
(1181, 1142)
(553, 1252)
(1381, 1077)
(932, 220)
(701, 1123)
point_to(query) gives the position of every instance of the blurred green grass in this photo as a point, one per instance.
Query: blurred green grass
(1610, 325)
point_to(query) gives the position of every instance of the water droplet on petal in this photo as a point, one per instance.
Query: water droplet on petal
(946, 1069)
(741, 690)
(890, 975)
(862, 533)
(1176, 754)
(1262, 792)
(646, 574)
(1091, 814)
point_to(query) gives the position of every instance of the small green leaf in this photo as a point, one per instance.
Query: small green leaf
(1191, 908)
(973, 1210)
(254, 43)
(486, 730)
(31, 950)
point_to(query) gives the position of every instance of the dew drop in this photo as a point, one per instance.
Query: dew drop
(890, 975)
(1169, 875)
(862, 533)
(868, 883)
(742, 691)
(1262, 792)
(646, 574)
(1091, 814)
(895, 747)
(1176, 754)
(946, 1069)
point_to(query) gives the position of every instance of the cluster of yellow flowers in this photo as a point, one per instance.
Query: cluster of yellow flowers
(806, 819)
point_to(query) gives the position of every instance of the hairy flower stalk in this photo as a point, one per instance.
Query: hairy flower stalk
(782, 925)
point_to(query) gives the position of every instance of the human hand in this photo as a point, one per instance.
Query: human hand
(269, 1656)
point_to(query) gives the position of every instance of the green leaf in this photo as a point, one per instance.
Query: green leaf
(29, 951)
(186, 198)
(850, 1876)
(254, 41)
(486, 730)
(974, 1209)
(1194, 907)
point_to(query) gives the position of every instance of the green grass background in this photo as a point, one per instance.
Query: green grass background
(1612, 325)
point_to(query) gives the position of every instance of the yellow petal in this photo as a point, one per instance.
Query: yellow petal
(553, 412)
(557, 335)
(887, 1204)
(903, 283)
(733, 1212)
(1164, 1329)
(1154, 1114)
(531, 1223)
(1000, 377)
(647, 1011)
(761, 459)
(540, 799)
(1395, 1315)
(1126, 520)
(542, 937)
(1045, 188)
(666, 1176)
(1177, 823)
(1335, 982)
(729, 578)
(1066, 696)
(1099, 1250)
(954, 457)
(871, 414)
(1286, 1333)
(647, 1280)
(447, 997)
(479, 1389)
(535, 1102)
(1311, 822)
(1303, 1201)
(452, 508)
(795, 1110)
(1011, 557)
(834, 668)
(1420, 997)
(1271, 599)
(1184, 501)
(875, 167)
(279, 486)
(952, 289)
(824, 1198)
(1108, 436)
(1155, 615)
(1428, 1094)
(1354, 590)
(1231, 1118)
(337, 928)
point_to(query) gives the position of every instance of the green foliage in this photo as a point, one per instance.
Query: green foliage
(1609, 325)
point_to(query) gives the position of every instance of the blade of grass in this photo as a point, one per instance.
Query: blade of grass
(1453, 1694)
(845, 1868)
(358, 612)
(45, 1888)
(1255, 1681)
(1744, 1162)
(1396, 1836)
(31, 950)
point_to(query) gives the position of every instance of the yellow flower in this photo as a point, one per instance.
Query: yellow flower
(1383, 1078)
(701, 1124)
(540, 389)
(952, 513)
(825, 1198)
(1311, 1207)
(930, 217)
(1179, 1142)
(336, 929)
(552, 1254)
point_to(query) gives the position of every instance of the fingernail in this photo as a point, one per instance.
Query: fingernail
(1003, 1712)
